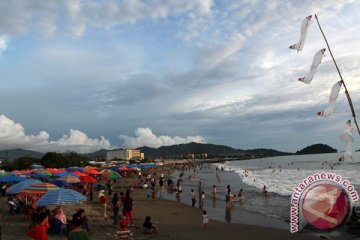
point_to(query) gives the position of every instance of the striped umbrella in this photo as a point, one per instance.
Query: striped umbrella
(70, 179)
(40, 188)
(15, 189)
(112, 175)
(61, 197)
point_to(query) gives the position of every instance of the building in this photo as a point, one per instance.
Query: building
(125, 154)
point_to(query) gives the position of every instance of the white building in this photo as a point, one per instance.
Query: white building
(125, 154)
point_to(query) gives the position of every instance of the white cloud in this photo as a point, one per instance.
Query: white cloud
(145, 137)
(3, 43)
(12, 135)
(20, 16)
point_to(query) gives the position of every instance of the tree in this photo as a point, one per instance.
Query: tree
(54, 160)
(24, 163)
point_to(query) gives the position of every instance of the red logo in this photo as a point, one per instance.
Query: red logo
(325, 206)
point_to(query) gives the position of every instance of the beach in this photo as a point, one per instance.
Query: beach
(175, 221)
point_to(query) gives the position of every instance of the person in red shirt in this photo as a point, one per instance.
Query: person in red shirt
(103, 201)
(39, 231)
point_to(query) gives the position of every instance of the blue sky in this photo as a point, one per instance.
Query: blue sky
(85, 75)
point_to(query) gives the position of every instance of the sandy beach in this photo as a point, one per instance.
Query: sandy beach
(175, 221)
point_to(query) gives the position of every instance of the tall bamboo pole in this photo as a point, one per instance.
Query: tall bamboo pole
(341, 78)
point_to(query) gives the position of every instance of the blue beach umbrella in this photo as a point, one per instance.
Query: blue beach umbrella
(60, 183)
(12, 178)
(64, 174)
(73, 169)
(15, 189)
(38, 175)
(61, 197)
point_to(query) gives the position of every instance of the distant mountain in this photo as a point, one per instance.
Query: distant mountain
(211, 150)
(316, 149)
(98, 154)
(16, 153)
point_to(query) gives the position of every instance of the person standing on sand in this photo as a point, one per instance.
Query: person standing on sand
(193, 198)
(116, 207)
(128, 207)
(103, 201)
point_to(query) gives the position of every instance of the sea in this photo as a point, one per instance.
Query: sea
(279, 174)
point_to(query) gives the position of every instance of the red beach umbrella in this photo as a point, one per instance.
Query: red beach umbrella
(87, 179)
(92, 171)
(80, 174)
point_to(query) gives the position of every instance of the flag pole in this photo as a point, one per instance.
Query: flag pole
(341, 78)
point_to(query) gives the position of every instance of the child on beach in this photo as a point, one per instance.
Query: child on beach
(149, 227)
(205, 219)
(124, 233)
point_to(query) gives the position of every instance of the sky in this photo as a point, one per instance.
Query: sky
(82, 75)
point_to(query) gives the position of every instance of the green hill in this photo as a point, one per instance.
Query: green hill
(16, 153)
(316, 149)
(212, 150)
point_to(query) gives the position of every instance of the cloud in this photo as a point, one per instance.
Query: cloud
(20, 16)
(12, 135)
(3, 43)
(145, 137)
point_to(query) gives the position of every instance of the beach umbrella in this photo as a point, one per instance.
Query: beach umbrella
(61, 197)
(87, 179)
(47, 173)
(80, 174)
(106, 170)
(70, 179)
(60, 183)
(15, 189)
(63, 174)
(39, 188)
(58, 171)
(3, 174)
(11, 178)
(91, 171)
(38, 175)
(53, 170)
(112, 175)
(73, 169)
(123, 168)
